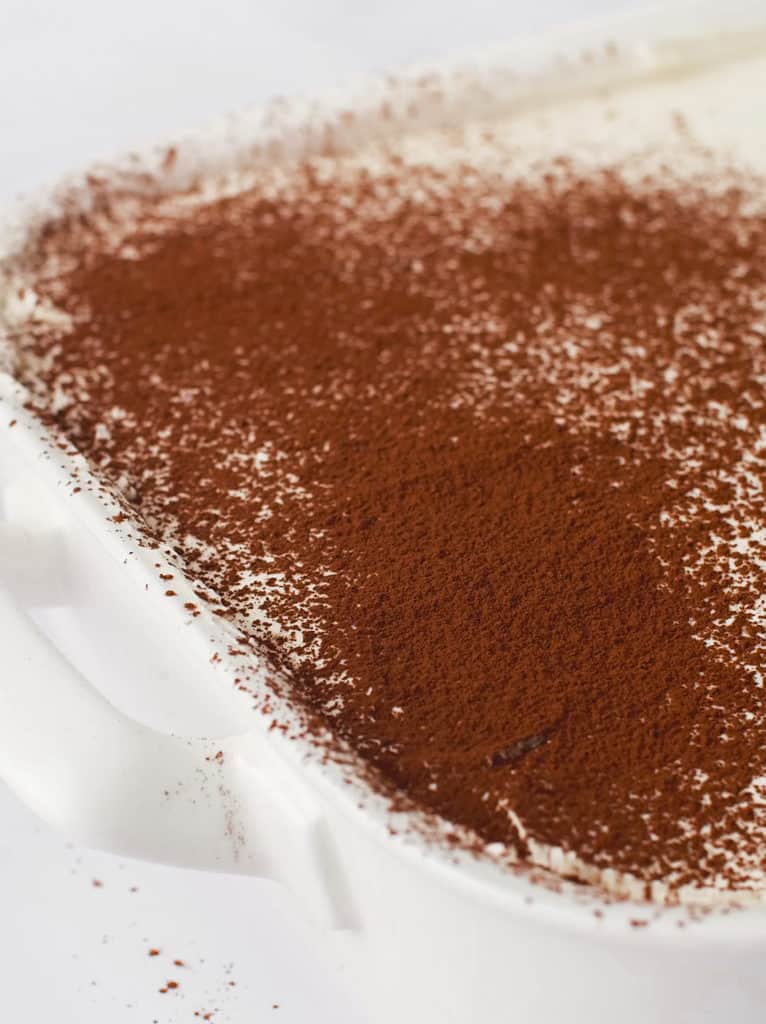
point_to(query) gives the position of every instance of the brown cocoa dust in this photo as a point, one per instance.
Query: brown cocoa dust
(477, 460)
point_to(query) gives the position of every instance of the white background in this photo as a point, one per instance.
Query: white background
(80, 80)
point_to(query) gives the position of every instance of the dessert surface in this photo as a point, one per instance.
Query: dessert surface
(467, 434)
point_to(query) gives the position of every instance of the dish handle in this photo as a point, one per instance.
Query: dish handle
(111, 783)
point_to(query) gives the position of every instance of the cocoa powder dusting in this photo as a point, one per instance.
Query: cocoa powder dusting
(478, 460)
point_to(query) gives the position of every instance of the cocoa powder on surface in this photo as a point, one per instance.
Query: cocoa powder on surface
(478, 460)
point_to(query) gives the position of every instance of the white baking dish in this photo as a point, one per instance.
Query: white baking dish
(423, 935)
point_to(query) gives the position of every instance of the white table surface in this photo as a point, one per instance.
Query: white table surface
(81, 80)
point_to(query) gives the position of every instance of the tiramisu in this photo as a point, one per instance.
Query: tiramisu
(466, 432)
